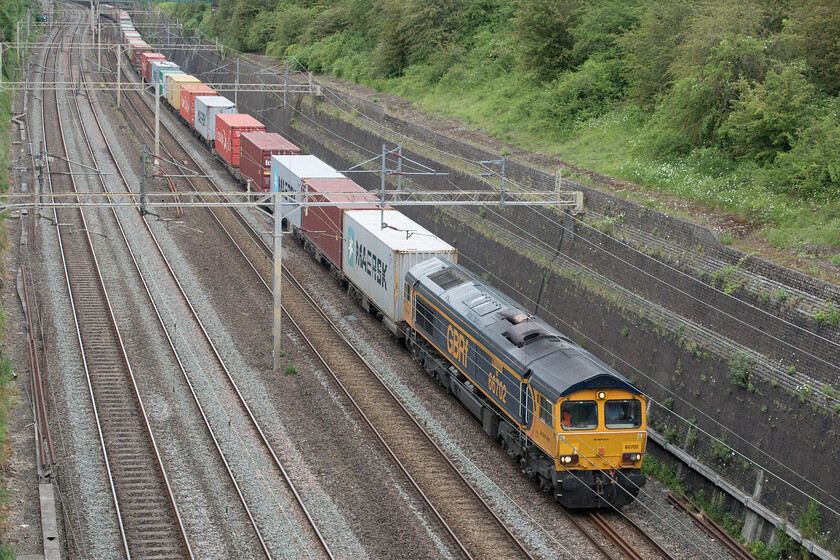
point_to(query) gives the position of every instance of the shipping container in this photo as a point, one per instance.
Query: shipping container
(323, 226)
(157, 66)
(131, 34)
(376, 258)
(173, 88)
(163, 80)
(229, 127)
(188, 94)
(206, 109)
(287, 175)
(146, 63)
(136, 50)
(255, 151)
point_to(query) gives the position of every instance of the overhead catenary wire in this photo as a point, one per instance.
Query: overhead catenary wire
(682, 399)
(629, 365)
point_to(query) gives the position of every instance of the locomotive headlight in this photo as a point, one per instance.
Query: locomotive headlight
(568, 459)
(631, 457)
(602, 395)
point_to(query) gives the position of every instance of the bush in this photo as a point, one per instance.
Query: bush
(765, 121)
(579, 96)
(811, 168)
(810, 521)
(290, 369)
(740, 369)
(721, 451)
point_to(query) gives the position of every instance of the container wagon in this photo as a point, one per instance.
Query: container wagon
(206, 109)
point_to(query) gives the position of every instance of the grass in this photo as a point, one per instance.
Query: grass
(8, 392)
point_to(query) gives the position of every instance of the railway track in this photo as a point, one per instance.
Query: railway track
(241, 414)
(149, 520)
(315, 325)
(457, 505)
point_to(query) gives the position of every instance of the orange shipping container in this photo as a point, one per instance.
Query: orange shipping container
(229, 126)
(188, 94)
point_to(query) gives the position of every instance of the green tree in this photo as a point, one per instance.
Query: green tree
(815, 27)
(599, 25)
(811, 168)
(650, 48)
(416, 29)
(767, 117)
(723, 47)
(544, 31)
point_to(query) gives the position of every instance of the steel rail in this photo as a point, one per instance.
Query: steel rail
(42, 425)
(611, 534)
(235, 388)
(172, 344)
(711, 528)
(254, 236)
(126, 535)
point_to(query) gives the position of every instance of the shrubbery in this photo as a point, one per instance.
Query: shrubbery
(748, 86)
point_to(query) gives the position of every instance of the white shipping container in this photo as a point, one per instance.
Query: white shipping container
(287, 175)
(376, 259)
(157, 65)
(206, 109)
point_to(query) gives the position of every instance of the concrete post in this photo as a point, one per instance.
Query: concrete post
(277, 279)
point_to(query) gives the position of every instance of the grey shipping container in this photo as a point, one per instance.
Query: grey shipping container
(287, 175)
(206, 109)
(376, 258)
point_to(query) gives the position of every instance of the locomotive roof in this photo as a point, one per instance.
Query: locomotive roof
(558, 366)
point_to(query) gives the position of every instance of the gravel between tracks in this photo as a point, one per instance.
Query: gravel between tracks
(363, 506)
(380, 511)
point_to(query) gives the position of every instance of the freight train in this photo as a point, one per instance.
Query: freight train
(574, 424)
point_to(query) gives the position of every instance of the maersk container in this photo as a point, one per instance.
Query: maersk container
(377, 254)
(206, 109)
(157, 66)
(287, 175)
(323, 226)
(188, 94)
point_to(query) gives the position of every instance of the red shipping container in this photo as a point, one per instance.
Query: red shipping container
(323, 225)
(255, 151)
(146, 63)
(188, 94)
(229, 126)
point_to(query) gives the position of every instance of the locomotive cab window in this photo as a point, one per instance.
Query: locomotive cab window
(623, 414)
(407, 292)
(579, 415)
(546, 411)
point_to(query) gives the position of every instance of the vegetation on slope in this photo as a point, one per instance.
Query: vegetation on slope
(730, 104)
(11, 11)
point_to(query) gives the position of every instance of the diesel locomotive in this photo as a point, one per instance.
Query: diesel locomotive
(573, 422)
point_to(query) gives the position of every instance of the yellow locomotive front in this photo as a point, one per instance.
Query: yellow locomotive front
(597, 438)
